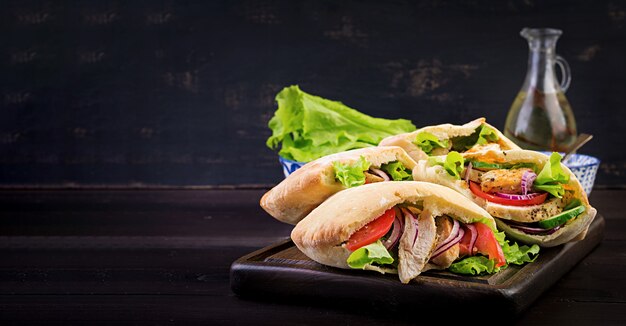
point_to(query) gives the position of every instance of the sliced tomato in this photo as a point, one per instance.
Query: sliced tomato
(488, 245)
(372, 231)
(504, 201)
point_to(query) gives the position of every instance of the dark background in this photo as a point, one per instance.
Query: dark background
(171, 93)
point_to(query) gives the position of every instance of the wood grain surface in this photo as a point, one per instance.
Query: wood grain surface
(164, 256)
(150, 93)
(282, 270)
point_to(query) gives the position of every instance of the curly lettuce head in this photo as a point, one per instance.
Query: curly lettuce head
(308, 127)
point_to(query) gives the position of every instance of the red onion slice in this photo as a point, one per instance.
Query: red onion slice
(474, 234)
(395, 233)
(533, 230)
(400, 218)
(448, 245)
(528, 178)
(518, 197)
(451, 236)
(381, 174)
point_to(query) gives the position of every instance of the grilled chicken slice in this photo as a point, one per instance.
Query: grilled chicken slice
(506, 181)
(371, 178)
(475, 175)
(444, 228)
(413, 252)
(526, 214)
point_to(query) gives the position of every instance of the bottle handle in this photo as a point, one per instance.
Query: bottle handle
(565, 73)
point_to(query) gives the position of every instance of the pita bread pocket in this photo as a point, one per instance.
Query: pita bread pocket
(534, 198)
(306, 188)
(404, 228)
(440, 139)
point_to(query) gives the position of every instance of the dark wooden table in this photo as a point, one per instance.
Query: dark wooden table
(160, 256)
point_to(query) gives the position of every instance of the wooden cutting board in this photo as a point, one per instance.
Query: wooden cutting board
(283, 271)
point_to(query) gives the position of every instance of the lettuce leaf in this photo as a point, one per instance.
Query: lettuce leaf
(552, 177)
(516, 254)
(498, 166)
(487, 135)
(483, 135)
(307, 127)
(427, 142)
(397, 171)
(513, 253)
(453, 163)
(474, 265)
(374, 253)
(555, 190)
(351, 175)
(574, 203)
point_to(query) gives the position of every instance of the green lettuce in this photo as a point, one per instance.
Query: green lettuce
(397, 171)
(513, 253)
(499, 166)
(453, 163)
(574, 203)
(555, 190)
(474, 265)
(516, 254)
(487, 135)
(552, 177)
(351, 175)
(483, 135)
(374, 253)
(307, 127)
(427, 142)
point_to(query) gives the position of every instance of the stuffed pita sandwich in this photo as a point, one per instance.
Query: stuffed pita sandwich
(534, 198)
(406, 228)
(298, 194)
(476, 135)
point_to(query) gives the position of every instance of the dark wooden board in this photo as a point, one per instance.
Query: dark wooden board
(282, 271)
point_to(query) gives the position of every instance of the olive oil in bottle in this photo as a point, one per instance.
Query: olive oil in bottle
(540, 117)
(541, 121)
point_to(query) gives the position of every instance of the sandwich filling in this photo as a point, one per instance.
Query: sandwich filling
(409, 239)
(362, 172)
(535, 200)
(483, 137)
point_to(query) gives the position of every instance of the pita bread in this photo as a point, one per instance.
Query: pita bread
(307, 187)
(445, 132)
(574, 229)
(321, 234)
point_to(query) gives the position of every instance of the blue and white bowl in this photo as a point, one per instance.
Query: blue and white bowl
(584, 167)
(289, 166)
